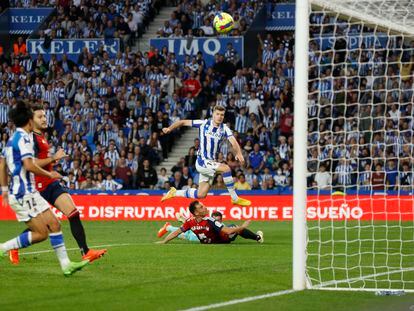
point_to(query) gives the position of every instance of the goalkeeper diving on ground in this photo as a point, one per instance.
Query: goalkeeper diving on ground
(208, 230)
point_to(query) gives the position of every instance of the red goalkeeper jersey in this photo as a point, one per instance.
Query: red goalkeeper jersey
(208, 230)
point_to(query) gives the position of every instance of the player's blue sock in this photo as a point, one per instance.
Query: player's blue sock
(56, 239)
(189, 193)
(228, 180)
(22, 241)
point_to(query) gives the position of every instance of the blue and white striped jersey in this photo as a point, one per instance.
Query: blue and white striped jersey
(18, 148)
(211, 138)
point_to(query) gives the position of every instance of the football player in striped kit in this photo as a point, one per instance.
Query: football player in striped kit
(30, 207)
(51, 190)
(212, 132)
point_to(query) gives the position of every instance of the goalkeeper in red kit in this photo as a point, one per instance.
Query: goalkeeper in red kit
(53, 192)
(210, 230)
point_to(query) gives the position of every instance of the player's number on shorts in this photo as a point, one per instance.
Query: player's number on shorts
(31, 203)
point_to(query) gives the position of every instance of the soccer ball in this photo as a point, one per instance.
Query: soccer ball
(223, 22)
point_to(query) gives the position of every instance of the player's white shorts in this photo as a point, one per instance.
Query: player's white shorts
(207, 169)
(30, 206)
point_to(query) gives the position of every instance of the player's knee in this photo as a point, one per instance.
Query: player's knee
(54, 226)
(201, 194)
(40, 234)
(226, 168)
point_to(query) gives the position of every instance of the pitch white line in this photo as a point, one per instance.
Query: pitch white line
(242, 300)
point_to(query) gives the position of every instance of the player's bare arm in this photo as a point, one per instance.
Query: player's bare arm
(30, 165)
(176, 125)
(170, 237)
(60, 154)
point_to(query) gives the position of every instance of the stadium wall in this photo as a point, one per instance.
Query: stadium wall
(146, 205)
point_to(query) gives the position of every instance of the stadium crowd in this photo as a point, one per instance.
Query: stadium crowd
(108, 113)
(195, 19)
(360, 110)
(126, 20)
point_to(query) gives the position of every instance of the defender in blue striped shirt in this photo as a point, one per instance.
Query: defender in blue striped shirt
(212, 132)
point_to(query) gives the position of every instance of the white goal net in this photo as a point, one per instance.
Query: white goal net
(360, 228)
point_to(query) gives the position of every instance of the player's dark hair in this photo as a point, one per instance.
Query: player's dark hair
(193, 206)
(216, 214)
(21, 114)
(37, 106)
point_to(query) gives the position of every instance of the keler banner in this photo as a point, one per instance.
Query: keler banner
(264, 207)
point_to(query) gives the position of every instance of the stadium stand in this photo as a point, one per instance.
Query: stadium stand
(108, 113)
(193, 19)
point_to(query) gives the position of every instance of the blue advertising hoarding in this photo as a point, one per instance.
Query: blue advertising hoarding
(25, 21)
(71, 47)
(281, 17)
(209, 46)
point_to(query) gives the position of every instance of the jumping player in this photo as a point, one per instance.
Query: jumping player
(212, 231)
(51, 190)
(24, 199)
(212, 132)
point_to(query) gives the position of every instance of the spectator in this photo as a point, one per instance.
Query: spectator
(256, 159)
(112, 154)
(19, 47)
(178, 181)
(189, 184)
(109, 184)
(405, 178)
(218, 183)
(171, 84)
(322, 178)
(156, 149)
(241, 183)
(186, 174)
(286, 123)
(147, 176)
(343, 175)
(190, 159)
(254, 106)
(162, 178)
(87, 184)
(391, 172)
(124, 173)
(280, 180)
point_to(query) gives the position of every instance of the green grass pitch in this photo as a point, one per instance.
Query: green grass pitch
(141, 275)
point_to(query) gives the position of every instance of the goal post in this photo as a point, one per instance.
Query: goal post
(300, 143)
(353, 196)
